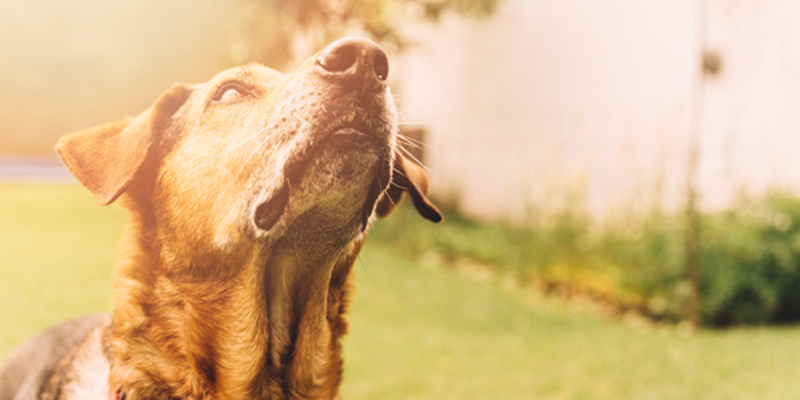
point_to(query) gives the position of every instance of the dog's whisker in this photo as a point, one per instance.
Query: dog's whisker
(416, 124)
(258, 148)
(407, 141)
(413, 158)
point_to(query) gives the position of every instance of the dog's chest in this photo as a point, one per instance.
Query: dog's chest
(86, 377)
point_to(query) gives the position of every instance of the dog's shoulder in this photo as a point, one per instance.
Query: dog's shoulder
(30, 366)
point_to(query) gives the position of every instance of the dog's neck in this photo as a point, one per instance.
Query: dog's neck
(263, 332)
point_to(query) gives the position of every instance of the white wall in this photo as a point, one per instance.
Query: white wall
(751, 130)
(552, 100)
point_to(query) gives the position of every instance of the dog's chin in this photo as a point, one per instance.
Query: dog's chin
(335, 183)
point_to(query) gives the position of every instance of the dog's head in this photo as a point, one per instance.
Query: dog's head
(249, 196)
(253, 154)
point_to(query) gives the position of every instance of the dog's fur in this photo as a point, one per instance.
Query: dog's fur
(249, 198)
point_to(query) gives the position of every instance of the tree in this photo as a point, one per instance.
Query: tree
(279, 31)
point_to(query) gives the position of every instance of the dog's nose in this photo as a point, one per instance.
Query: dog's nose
(354, 58)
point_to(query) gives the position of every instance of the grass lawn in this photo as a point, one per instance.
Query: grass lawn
(418, 331)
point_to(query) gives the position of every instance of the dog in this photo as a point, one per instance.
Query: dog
(249, 199)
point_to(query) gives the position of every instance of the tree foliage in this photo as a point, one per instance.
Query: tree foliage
(272, 30)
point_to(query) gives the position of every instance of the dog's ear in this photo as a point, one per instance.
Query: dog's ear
(408, 176)
(106, 158)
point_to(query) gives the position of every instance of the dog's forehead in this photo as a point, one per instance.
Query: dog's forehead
(251, 73)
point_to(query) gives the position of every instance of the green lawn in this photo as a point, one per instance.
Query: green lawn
(418, 332)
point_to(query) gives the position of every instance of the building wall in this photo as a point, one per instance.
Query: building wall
(578, 102)
(750, 137)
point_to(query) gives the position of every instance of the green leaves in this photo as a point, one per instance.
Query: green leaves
(749, 257)
(272, 28)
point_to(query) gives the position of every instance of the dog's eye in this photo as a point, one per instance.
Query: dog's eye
(230, 95)
(229, 92)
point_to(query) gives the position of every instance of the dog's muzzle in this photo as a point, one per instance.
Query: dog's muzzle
(358, 67)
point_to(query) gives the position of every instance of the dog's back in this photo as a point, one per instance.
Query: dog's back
(28, 368)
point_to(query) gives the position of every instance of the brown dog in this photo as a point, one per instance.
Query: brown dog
(249, 198)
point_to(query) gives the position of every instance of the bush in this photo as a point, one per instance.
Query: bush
(749, 256)
(750, 259)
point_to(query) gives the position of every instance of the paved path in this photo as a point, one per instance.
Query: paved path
(34, 170)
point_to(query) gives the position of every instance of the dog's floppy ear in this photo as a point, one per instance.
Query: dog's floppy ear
(106, 158)
(408, 176)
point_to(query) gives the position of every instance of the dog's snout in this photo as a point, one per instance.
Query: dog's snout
(354, 58)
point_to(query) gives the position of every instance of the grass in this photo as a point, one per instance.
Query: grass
(57, 247)
(749, 257)
(418, 331)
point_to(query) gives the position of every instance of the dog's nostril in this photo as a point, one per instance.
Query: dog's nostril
(354, 58)
(381, 65)
(338, 58)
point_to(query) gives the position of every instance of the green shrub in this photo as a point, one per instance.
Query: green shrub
(749, 257)
(650, 254)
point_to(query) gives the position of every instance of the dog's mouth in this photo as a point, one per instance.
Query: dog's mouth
(348, 142)
(340, 141)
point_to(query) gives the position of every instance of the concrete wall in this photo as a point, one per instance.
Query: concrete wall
(551, 103)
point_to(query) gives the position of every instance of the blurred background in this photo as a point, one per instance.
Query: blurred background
(615, 175)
